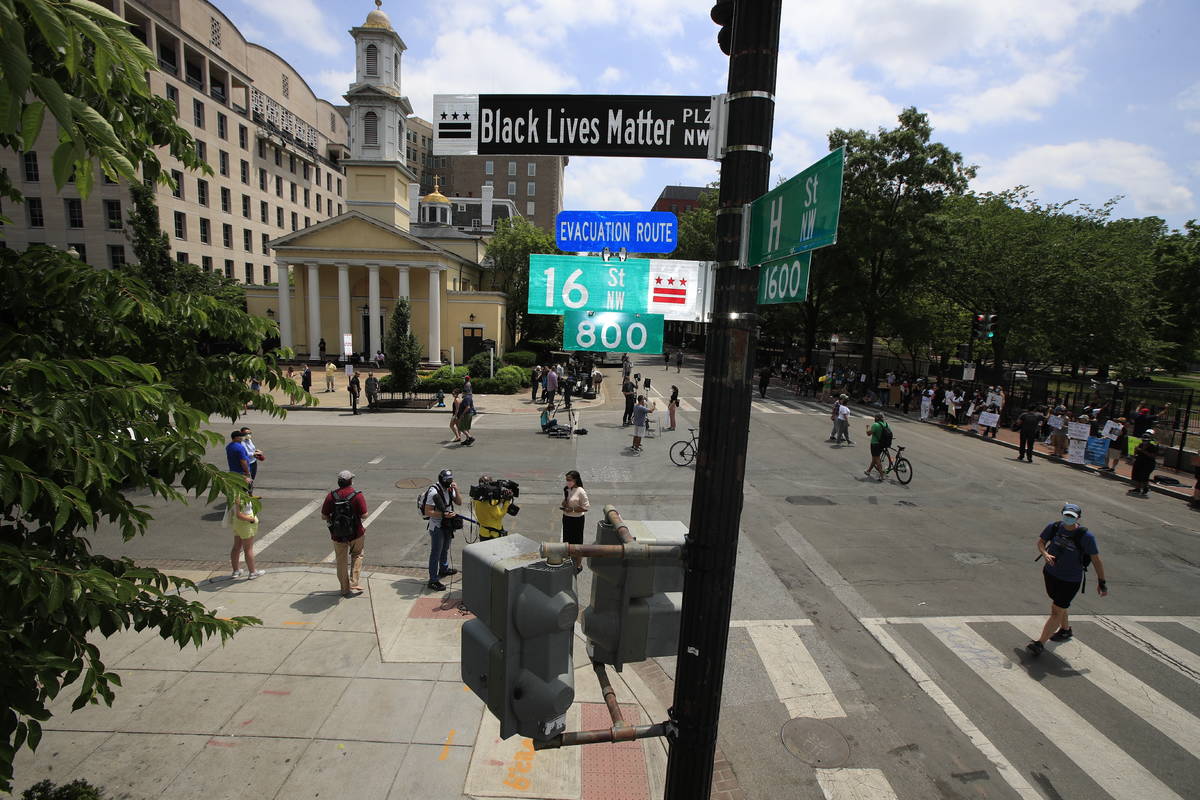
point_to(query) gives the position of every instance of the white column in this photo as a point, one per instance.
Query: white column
(343, 306)
(285, 304)
(312, 288)
(402, 287)
(373, 309)
(435, 315)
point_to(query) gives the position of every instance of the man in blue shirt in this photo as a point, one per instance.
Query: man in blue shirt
(1067, 547)
(235, 453)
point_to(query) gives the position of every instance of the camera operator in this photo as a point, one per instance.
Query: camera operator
(437, 506)
(491, 501)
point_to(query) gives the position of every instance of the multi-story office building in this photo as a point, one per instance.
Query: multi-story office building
(679, 199)
(533, 183)
(273, 145)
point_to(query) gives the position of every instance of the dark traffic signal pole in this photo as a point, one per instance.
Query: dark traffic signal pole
(724, 424)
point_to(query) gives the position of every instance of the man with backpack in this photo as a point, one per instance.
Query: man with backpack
(437, 507)
(343, 510)
(1069, 549)
(881, 439)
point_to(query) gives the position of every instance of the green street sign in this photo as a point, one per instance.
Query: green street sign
(784, 281)
(612, 332)
(559, 284)
(798, 215)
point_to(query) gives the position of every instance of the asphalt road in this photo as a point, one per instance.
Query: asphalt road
(888, 619)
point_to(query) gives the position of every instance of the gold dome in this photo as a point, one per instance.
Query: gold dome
(436, 195)
(378, 19)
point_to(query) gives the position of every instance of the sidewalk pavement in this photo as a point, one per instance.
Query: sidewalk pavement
(329, 697)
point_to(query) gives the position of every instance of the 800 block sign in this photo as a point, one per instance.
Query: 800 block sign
(611, 332)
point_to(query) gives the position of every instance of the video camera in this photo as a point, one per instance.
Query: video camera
(497, 490)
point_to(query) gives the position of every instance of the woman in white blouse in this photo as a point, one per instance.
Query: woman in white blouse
(574, 505)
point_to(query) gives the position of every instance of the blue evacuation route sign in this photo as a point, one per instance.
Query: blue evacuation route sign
(636, 231)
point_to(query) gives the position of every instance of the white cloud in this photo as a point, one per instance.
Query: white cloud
(1095, 170)
(816, 97)
(679, 63)
(1019, 100)
(605, 184)
(610, 76)
(331, 84)
(1189, 98)
(303, 22)
(551, 20)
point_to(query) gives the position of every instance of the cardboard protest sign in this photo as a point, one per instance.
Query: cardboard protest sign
(1079, 430)
(989, 419)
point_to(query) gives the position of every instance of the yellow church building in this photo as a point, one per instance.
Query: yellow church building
(348, 272)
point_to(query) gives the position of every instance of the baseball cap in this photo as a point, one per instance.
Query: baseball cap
(1149, 432)
(1073, 510)
(345, 475)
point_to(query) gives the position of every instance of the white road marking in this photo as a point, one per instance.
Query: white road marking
(1103, 761)
(329, 559)
(763, 408)
(284, 527)
(1180, 659)
(686, 378)
(797, 679)
(751, 623)
(375, 460)
(977, 737)
(686, 406)
(1149, 704)
(854, 784)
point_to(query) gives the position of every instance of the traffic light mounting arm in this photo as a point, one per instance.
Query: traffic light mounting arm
(621, 731)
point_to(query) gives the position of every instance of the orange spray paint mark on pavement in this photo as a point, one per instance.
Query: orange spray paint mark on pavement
(446, 747)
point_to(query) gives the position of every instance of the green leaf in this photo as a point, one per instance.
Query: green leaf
(63, 161)
(48, 22)
(31, 123)
(57, 100)
(14, 59)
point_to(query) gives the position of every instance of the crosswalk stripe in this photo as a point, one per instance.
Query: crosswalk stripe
(686, 406)
(1007, 771)
(797, 679)
(846, 783)
(279, 530)
(1104, 762)
(1180, 659)
(763, 408)
(1171, 719)
(329, 559)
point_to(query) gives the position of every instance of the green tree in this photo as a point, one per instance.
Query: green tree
(401, 348)
(895, 183)
(698, 228)
(515, 240)
(1176, 259)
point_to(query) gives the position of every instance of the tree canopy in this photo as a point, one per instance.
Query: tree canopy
(516, 238)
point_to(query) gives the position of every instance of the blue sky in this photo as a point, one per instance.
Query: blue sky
(1077, 99)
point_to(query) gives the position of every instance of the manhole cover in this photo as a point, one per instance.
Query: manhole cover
(810, 500)
(974, 559)
(412, 483)
(814, 742)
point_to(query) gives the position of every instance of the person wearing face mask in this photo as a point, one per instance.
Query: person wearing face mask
(1069, 548)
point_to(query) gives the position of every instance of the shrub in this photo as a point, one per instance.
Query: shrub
(506, 384)
(541, 348)
(478, 365)
(75, 790)
(522, 376)
(443, 378)
(521, 358)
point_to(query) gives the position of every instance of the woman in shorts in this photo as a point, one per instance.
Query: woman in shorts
(245, 528)
(574, 505)
(455, 410)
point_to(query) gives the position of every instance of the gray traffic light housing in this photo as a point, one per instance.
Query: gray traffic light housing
(516, 653)
(636, 603)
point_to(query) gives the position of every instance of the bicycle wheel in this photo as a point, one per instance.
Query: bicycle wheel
(682, 453)
(903, 470)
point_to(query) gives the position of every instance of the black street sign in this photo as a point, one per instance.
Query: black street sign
(650, 126)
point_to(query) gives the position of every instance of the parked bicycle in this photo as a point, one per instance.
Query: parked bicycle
(684, 452)
(897, 464)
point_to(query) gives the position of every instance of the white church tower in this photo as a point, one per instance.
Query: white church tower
(376, 170)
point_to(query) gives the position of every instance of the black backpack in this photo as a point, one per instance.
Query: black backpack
(343, 519)
(885, 435)
(1085, 558)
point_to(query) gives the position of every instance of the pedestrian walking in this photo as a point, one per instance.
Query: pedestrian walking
(666, 360)
(354, 387)
(1068, 548)
(640, 410)
(1145, 459)
(678, 360)
(372, 388)
(455, 409)
(881, 439)
(551, 385)
(673, 405)
(466, 415)
(843, 423)
(245, 528)
(437, 506)
(1029, 423)
(321, 348)
(535, 382)
(926, 402)
(764, 380)
(574, 505)
(629, 389)
(343, 511)
(306, 379)
(330, 371)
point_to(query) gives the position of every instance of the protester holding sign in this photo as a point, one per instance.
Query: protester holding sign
(1117, 433)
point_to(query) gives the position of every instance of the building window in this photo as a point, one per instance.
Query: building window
(202, 191)
(226, 200)
(245, 171)
(328, 182)
(284, 84)
(205, 231)
(223, 163)
(529, 208)
(222, 125)
(198, 114)
(278, 216)
(307, 222)
(332, 122)
(249, 272)
(279, 186)
(339, 190)
(206, 263)
(489, 167)
(292, 192)
(512, 188)
(531, 188)
(229, 268)
(371, 58)
(531, 170)
(116, 255)
(292, 163)
(227, 235)
(264, 212)
(278, 157)
(202, 151)
(214, 31)
(262, 179)
(80, 249)
(173, 96)
(266, 273)
(371, 128)
(318, 204)
(182, 257)
(31, 167)
(262, 148)
(512, 168)
(112, 214)
(247, 240)
(74, 212)
(180, 225)
(246, 206)
(243, 137)
(295, 221)
(307, 198)
(339, 209)
(177, 177)
(266, 248)
(305, 170)
(317, 176)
